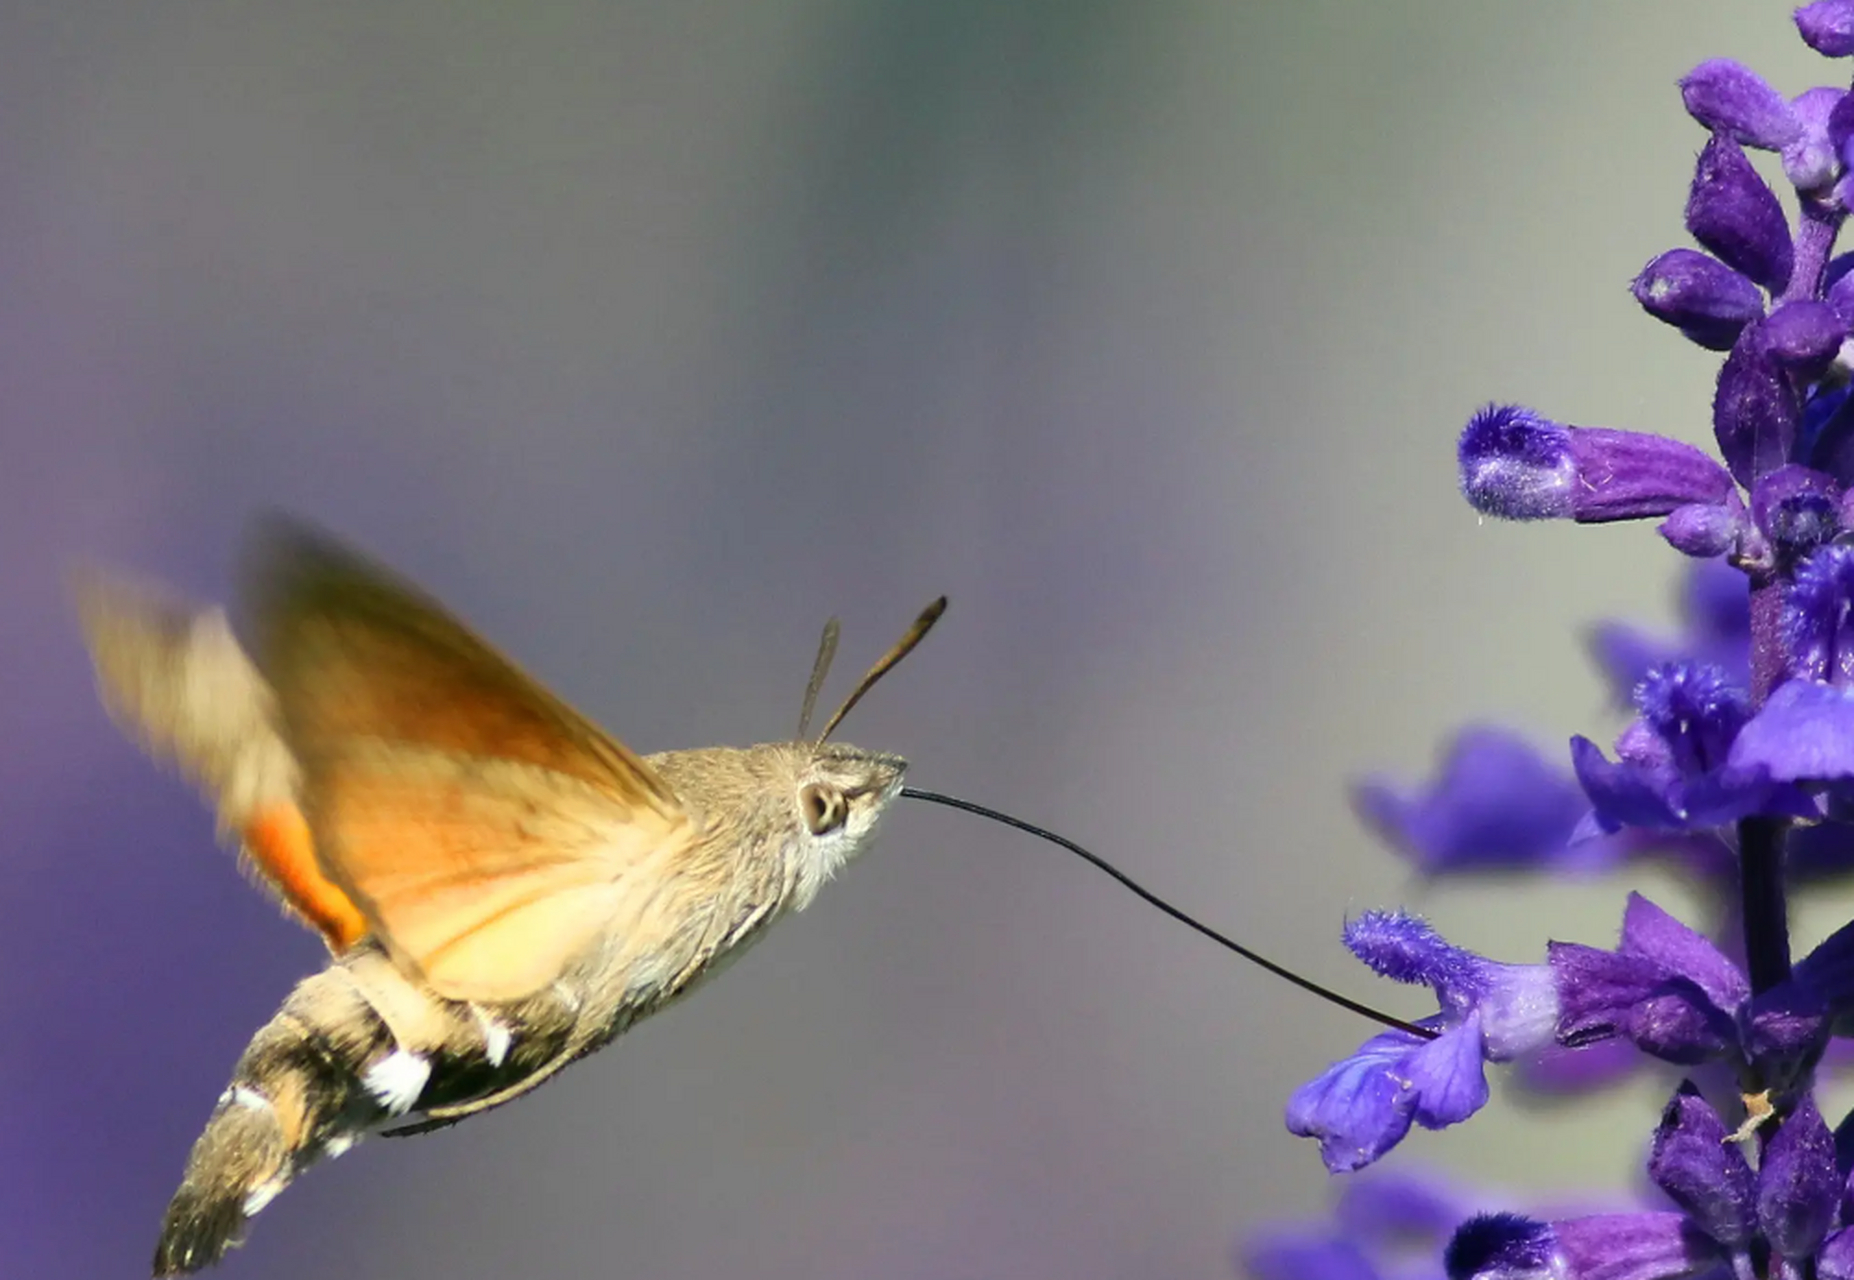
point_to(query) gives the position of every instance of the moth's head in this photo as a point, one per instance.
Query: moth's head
(841, 792)
(834, 797)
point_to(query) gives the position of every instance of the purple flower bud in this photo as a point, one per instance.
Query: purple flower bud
(1702, 1172)
(1699, 295)
(1755, 412)
(1705, 529)
(1503, 1246)
(1735, 214)
(1728, 96)
(1804, 336)
(1520, 466)
(1827, 26)
(1798, 1188)
(1810, 161)
(1797, 509)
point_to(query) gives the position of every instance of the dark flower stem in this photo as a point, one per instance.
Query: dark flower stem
(1766, 913)
(1761, 839)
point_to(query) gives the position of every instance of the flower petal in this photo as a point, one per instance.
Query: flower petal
(1653, 934)
(1798, 1187)
(1702, 1171)
(1359, 1107)
(1804, 732)
(1449, 1076)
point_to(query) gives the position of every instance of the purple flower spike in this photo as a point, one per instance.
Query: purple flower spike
(1520, 466)
(1733, 212)
(1755, 412)
(1809, 161)
(1797, 509)
(1728, 96)
(1496, 803)
(1699, 295)
(1827, 26)
(1702, 1172)
(1798, 1187)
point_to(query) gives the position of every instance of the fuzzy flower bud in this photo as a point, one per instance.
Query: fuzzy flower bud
(1520, 466)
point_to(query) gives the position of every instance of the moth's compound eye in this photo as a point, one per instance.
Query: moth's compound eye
(823, 806)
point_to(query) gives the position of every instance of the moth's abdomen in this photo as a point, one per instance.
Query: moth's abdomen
(354, 1048)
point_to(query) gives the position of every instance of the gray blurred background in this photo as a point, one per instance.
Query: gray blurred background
(647, 336)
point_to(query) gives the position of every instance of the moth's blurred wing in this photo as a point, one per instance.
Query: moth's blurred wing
(486, 830)
(486, 878)
(174, 677)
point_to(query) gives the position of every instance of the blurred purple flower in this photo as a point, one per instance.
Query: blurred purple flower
(1496, 803)
(1384, 1225)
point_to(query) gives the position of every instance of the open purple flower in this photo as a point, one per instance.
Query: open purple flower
(1362, 1106)
(1674, 768)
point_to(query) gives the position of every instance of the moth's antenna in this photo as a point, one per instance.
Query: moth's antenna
(903, 647)
(1127, 882)
(820, 667)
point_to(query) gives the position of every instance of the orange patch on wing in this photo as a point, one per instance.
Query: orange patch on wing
(277, 839)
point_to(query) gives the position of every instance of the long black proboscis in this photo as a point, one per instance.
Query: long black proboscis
(1140, 891)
